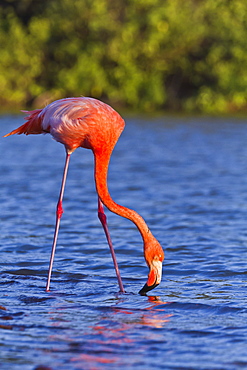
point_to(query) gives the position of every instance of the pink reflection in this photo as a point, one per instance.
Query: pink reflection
(119, 332)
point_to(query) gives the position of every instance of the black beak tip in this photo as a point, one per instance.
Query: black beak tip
(147, 288)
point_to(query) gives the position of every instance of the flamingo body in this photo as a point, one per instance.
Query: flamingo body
(76, 122)
(92, 124)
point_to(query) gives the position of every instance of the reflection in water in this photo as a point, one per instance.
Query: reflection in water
(155, 318)
(114, 332)
(188, 179)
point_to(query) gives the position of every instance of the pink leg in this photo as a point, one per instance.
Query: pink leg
(59, 213)
(103, 220)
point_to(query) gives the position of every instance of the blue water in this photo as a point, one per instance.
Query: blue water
(188, 179)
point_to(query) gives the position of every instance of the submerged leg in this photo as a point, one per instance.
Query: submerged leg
(59, 213)
(103, 220)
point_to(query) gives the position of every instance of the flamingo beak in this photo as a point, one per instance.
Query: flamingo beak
(154, 277)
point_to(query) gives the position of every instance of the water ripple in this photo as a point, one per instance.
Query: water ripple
(187, 177)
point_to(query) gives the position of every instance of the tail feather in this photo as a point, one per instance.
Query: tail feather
(32, 126)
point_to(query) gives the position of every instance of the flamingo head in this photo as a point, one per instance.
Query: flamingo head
(154, 255)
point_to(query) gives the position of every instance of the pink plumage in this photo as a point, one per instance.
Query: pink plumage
(92, 124)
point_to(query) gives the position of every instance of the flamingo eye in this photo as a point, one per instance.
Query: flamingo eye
(158, 258)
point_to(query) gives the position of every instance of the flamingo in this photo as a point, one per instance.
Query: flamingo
(92, 124)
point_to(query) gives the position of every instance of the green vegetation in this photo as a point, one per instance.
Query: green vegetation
(145, 55)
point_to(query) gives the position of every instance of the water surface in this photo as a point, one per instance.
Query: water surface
(188, 179)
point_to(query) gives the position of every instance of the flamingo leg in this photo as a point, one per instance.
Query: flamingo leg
(103, 220)
(59, 213)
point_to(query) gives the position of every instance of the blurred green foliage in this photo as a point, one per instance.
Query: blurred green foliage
(138, 54)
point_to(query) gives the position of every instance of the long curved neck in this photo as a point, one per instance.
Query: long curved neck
(102, 160)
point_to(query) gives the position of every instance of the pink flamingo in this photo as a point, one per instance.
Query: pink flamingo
(89, 123)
